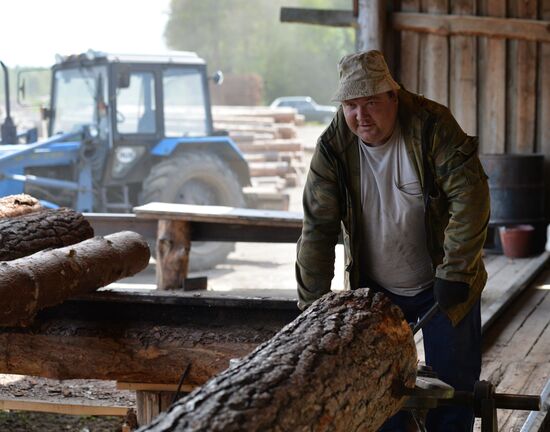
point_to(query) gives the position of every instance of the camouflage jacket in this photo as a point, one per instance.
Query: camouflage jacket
(456, 201)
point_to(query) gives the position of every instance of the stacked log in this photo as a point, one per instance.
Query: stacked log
(268, 138)
(32, 232)
(343, 365)
(48, 256)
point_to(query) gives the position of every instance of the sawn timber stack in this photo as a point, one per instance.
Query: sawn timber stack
(340, 366)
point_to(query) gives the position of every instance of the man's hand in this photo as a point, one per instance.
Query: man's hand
(450, 293)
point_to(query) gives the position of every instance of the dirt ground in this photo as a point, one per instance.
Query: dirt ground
(258, 266)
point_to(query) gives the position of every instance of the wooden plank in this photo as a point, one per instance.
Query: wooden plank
(327, 17)
(219, 214)
(512, 380)
(540, 351)
(521, 97)
(445, 25)
(410, 46)
(434, 65)
(521, 281)
(201, 231)
(492, 85)
(502, 335)
(61, 408)
(463, 69)
(121, 385)
(532, 385)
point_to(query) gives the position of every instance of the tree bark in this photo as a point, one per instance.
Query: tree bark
(47, 278)
(29, 233)
(340, 366)
(16, 205)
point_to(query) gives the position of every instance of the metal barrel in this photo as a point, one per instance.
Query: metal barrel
(516, 187)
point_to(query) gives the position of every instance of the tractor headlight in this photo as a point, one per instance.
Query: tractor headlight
(125, 158)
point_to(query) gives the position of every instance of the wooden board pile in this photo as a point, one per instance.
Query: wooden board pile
(268, 138)
(49, 255)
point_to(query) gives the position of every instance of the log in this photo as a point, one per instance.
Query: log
(47, 278)
(142, 336)
(32, 232)
(342, 365)
(15, 205)
(173, 247)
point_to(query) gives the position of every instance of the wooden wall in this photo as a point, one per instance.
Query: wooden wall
(496, 80)
(489, 62)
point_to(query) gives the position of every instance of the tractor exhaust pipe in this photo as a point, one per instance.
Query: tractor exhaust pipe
(8, 130)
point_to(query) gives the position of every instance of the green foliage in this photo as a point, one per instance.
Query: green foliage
(246, 36)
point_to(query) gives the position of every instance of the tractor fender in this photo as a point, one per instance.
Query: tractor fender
(221, 146)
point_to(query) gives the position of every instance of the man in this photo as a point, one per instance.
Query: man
(403, 182)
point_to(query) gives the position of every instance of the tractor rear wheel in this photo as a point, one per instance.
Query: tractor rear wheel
(196, 178)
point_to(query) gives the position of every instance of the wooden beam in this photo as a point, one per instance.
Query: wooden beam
(62, 408)
(218, 214)
(543, 104)
(232, 230)
(491, 110)
(371, 25)
(434, 64)
(445, 25)
(521, 84)
(410, 51)
(463, 73)
(325, 17)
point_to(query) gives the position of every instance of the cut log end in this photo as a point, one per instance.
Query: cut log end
(16, 205)
(339, 366)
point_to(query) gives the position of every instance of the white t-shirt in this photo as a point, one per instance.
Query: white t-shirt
(394, 250)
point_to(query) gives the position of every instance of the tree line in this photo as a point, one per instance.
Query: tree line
(247, 37)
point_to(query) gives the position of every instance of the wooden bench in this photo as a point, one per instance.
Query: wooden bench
(180, 224)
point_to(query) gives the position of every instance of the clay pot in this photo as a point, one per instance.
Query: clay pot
(517, 241)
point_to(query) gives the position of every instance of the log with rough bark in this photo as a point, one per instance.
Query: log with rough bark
(29, 233)
(340, 366)
(47, 278)
(15, 205)
(148, 336)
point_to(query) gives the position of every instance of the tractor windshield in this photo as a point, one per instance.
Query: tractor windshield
(184, 102)
(79, 97)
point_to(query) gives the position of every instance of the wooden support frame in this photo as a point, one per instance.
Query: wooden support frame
(445, 25)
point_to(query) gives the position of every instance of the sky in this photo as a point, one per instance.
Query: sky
(33, 31)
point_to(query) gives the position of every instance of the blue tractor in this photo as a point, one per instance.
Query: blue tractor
(124, 130)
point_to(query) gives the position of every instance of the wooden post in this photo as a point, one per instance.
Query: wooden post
(492, 85)
(410, 46)
(150, 404)
(434, 67)
(521, 102)
(371, 25)
(463, 70)
(543, 109)
(173, 247)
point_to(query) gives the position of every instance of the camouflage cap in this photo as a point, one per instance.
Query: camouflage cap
(363, 74)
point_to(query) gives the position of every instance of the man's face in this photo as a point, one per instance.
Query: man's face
(372, 118)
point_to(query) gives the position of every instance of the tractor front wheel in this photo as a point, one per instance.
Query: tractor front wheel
(196, 178)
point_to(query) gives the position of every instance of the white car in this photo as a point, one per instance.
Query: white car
(306, 106)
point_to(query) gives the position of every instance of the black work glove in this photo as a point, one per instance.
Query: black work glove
(450, 293)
